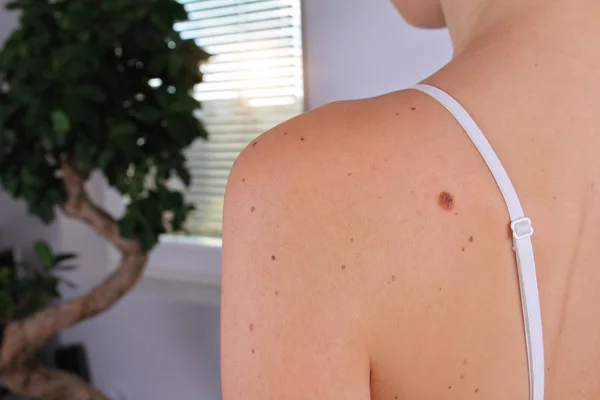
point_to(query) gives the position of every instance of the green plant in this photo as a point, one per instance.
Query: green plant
(94, 86)
(25, 289)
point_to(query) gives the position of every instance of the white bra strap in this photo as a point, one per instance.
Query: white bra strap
(522, 232)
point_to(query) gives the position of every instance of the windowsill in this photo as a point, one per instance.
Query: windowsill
(183, 268)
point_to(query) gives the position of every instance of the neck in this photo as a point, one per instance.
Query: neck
(472, 21)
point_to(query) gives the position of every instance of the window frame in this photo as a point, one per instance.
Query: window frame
(187, 278)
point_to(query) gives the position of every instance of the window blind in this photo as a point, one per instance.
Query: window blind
(253, 82)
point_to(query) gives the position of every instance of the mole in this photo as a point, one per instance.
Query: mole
(397, 113)
(465, 361)
(251, 327)
(285, 133)
(302, 139)
(343, 267)
(471, 239)
(413, 108)
(476, 390)
(273, 258)
(277, 293)
(252, 209)
(446, 201)
(254, 143)
(462, 377)
(252, 351)
(449, 387)
(394, 277)
(349, 174)
(243, 180)
(463, 249)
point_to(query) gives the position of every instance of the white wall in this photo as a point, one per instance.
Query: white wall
(149, 347)
(363, 48)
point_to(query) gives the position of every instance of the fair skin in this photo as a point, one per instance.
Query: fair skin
(344, 277)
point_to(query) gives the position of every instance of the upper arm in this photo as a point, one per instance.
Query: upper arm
(289, 328)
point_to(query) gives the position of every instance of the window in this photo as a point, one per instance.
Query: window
(253, 82)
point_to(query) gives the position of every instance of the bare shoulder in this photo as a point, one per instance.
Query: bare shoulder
(327, 217)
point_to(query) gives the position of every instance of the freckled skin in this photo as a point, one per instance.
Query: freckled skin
(251, 327)
(471, 239)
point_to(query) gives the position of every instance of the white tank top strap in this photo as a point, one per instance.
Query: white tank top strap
(522, 232)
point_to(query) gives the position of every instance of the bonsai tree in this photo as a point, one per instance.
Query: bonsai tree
(86, 86)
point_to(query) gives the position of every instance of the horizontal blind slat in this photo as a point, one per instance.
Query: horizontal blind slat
(253, 82)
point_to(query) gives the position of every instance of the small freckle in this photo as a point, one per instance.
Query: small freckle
(254, 144)
(462, 377)
(285, 133)
(465, 361)
(476, 390)
(440, 289)
(449, 387)
(243, 179)
(446, 200)
(273, 258)
(413, 108)
(251, 327)
(352, 239)
(379, 197)
(253, 351)
(302, 139)
(397, 113)
(456, 214)
(349, 174)
(548, 369)
(554, 197)
(252, 209)
(343, 267)
(471, 239)
(386, 160)
(463, 249)
(277, 293)
(394, 277)
(536, 65)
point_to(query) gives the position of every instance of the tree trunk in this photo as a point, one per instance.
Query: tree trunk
(20, 371)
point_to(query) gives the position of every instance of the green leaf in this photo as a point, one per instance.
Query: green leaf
(184, 175)
(63, 257)
(124, 128)
(44, 253)
(92, 93)
(66, 267)
(60, 122)
(69, 283)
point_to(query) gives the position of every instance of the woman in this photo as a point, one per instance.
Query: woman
(368, 252)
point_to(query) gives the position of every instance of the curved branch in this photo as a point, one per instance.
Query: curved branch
(22, 339)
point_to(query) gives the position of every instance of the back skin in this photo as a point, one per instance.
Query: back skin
(367, 252)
